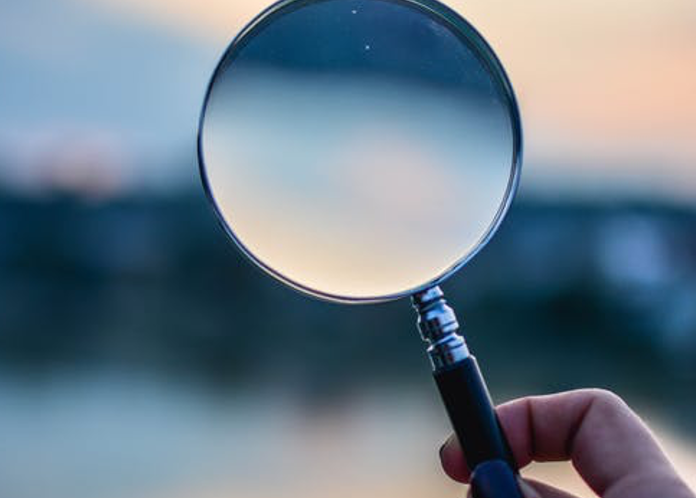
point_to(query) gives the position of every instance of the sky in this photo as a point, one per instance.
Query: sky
(607, 90)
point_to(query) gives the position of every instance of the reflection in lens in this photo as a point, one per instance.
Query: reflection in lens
(358, 148)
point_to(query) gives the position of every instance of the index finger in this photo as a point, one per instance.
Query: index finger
(607, 443)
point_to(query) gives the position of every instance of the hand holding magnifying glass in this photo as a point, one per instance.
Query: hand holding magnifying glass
(610, 446)
(362, 151)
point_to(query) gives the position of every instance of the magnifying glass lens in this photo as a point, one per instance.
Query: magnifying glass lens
(359, 149)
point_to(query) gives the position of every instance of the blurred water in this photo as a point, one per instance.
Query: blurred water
(108, 433)
(116, 434)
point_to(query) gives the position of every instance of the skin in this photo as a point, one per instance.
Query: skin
(609, 445)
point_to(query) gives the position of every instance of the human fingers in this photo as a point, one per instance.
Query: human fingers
(609, 445)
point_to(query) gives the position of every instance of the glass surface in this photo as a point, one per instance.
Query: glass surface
(359, 149)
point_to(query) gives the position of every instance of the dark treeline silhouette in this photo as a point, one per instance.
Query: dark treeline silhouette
(567, 294)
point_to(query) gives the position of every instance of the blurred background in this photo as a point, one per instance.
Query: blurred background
(132, 360)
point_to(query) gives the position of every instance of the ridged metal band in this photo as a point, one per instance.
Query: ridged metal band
(439, 328)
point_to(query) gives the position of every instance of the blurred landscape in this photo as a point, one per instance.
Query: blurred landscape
(118, 315)
(142, 357)
(151, 282)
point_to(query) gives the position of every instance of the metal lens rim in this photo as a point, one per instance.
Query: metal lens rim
(462, 28)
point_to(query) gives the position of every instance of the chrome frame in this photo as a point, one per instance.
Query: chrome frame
(461, 28)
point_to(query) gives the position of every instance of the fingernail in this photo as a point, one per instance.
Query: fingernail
(444, 447)
(527, 490)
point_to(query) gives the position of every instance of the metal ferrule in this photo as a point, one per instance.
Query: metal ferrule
(439, 328)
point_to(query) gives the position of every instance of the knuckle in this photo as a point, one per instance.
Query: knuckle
(607, 399)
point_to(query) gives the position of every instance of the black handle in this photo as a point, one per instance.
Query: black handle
(494, 479)
(466, 398)
(471, 412)
(475, 423)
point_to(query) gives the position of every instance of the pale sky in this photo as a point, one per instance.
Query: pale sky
(607, 89)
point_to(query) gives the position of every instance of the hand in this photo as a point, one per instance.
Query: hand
(610, 447)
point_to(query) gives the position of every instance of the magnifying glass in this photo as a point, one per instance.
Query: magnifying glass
(362, 151)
